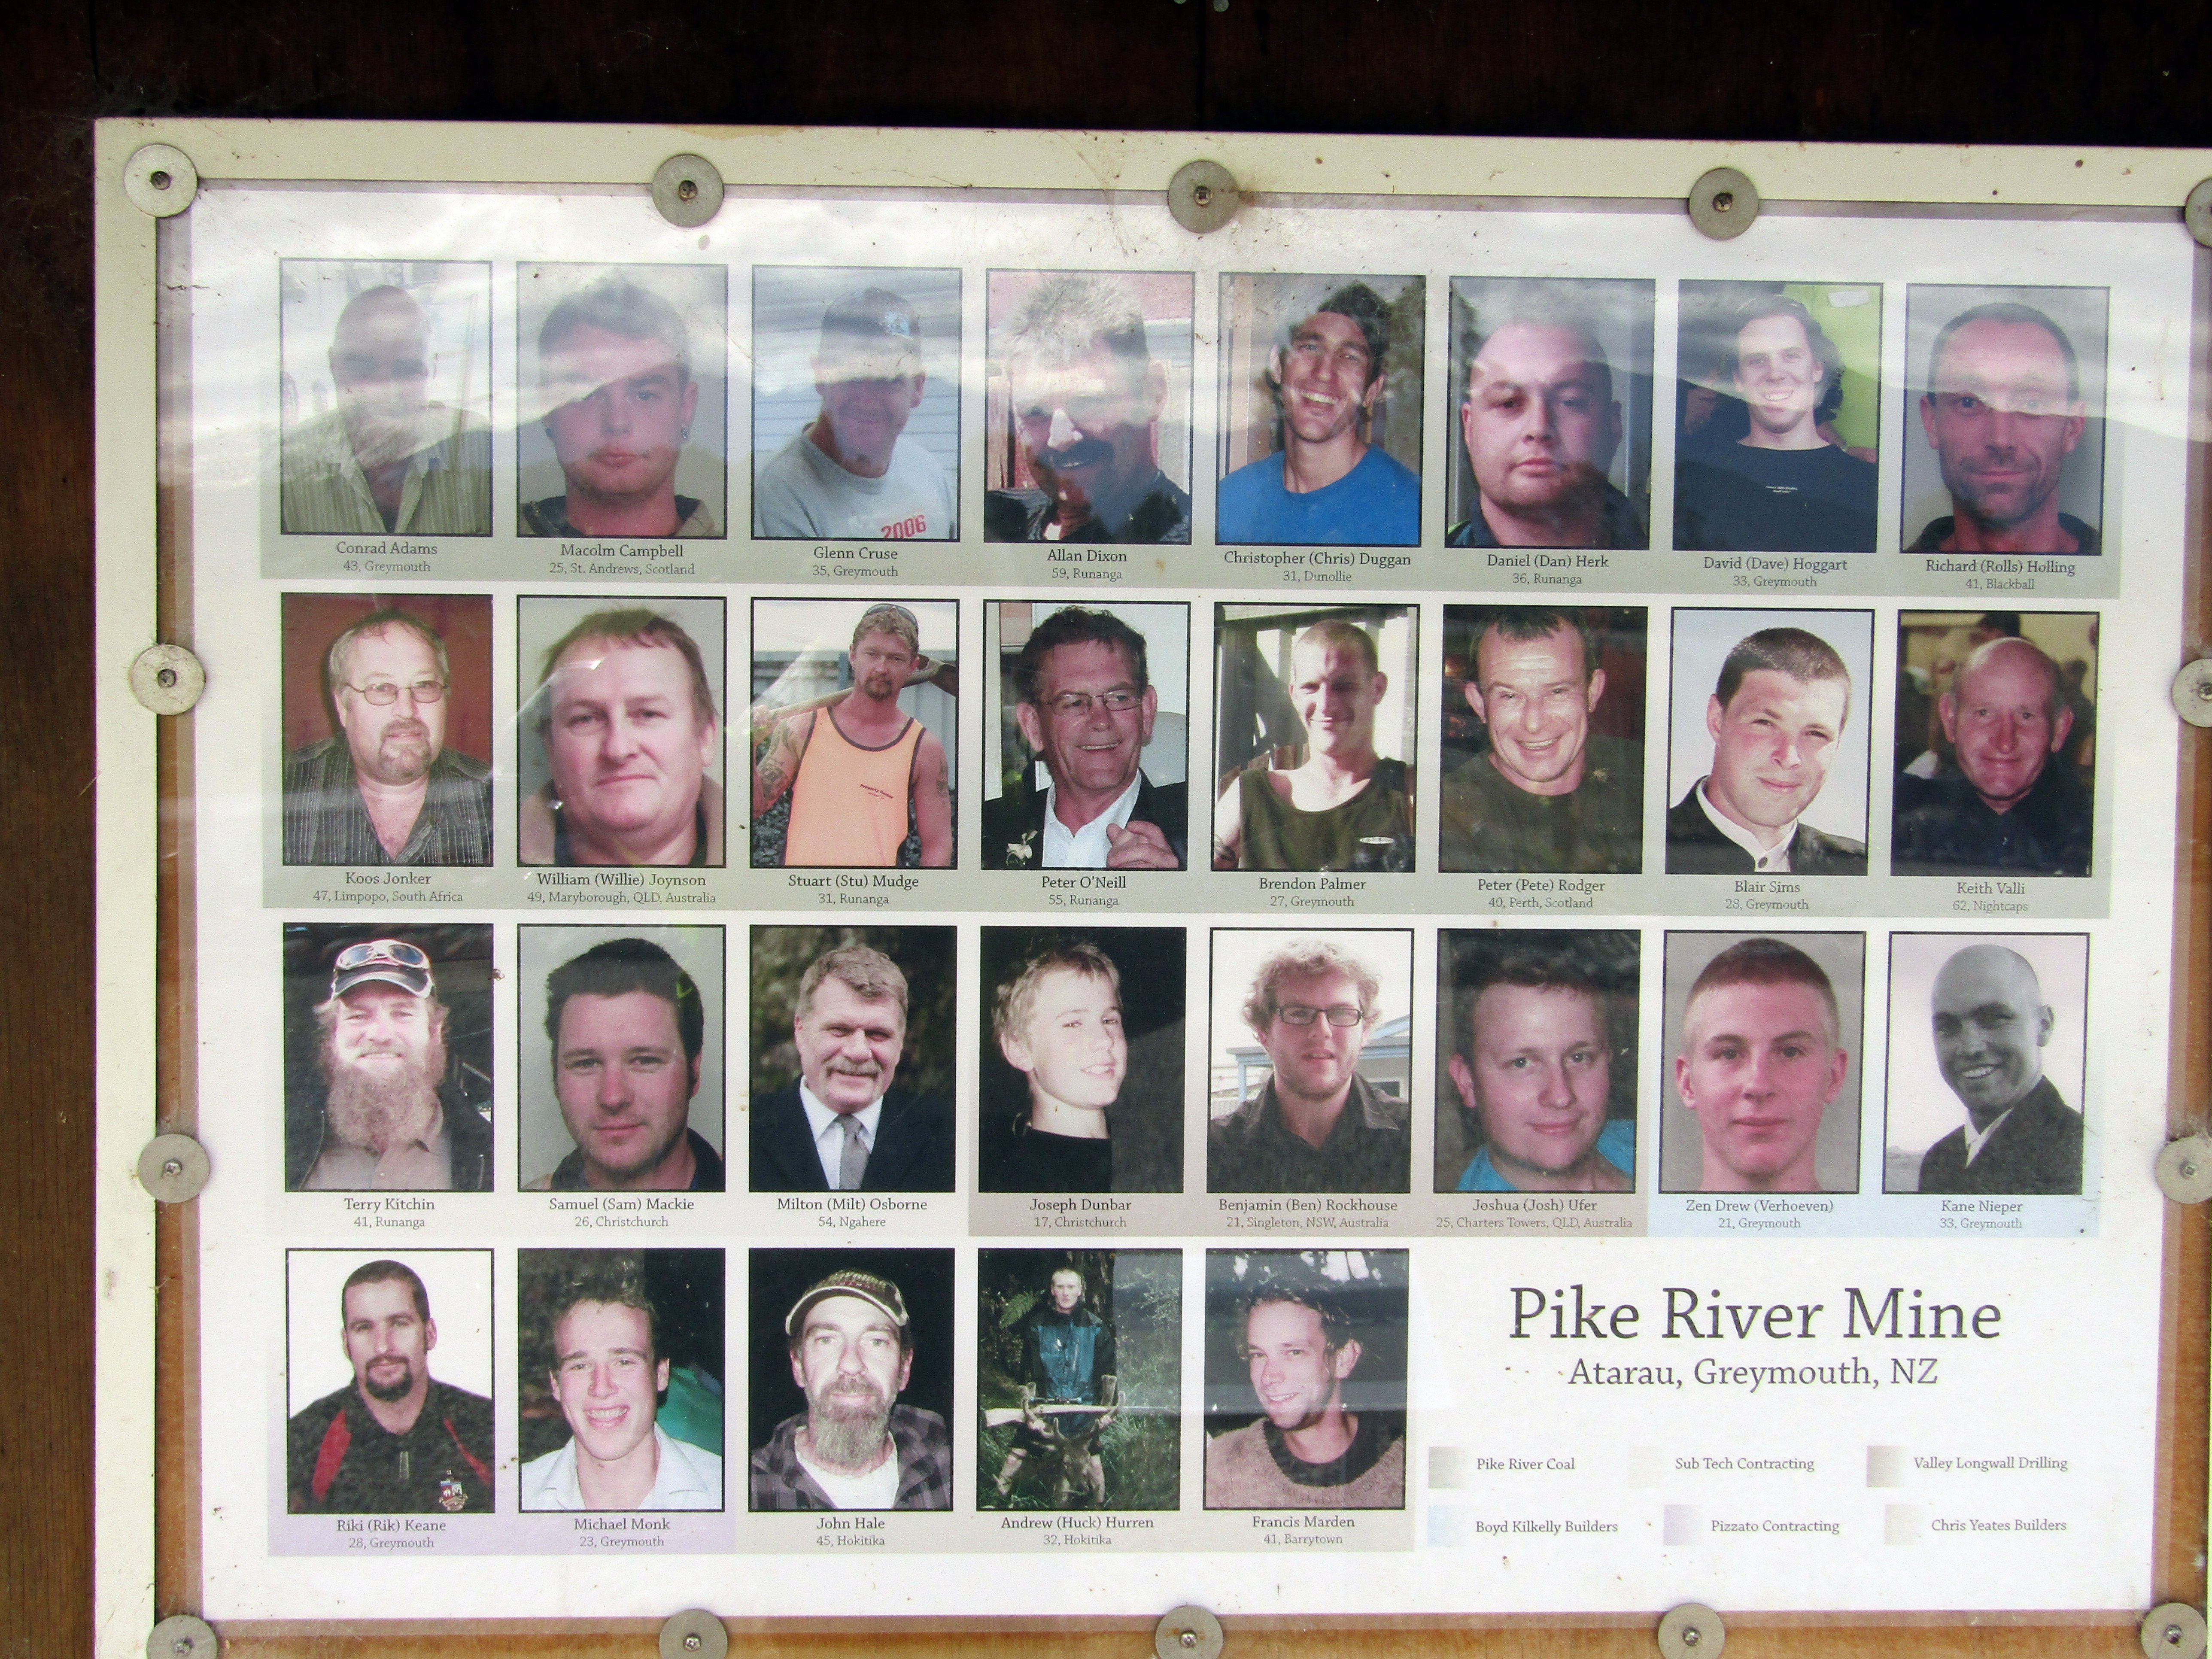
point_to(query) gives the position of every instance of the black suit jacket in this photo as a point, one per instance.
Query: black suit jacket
(2036, 1150)
(1015, 822)
(1695, 847)
(913, 1151)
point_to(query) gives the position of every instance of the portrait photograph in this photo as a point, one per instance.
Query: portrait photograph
(849, 1386)
(1996, 761)
(387, 729)
(1760, 1081)
(623, 382)
(622, 1376)
(853, 1030)
(1767, 743)
(2004, 441)
(386, 397)
(1987, 1063)
(1315, 720)
(618, 739)
(620, 1058)
(387, 1382)
(1551, 402)
(1091, 703)
(1305, 1379)
(1087, 407)
(1080, 1035)
(1543, 738)
(852, 733)
(1078, 1373)
(1322, 389)
(388, 1069)
(1310, 1060)
(1536, 1059)
(856, 403)
(1777, 415)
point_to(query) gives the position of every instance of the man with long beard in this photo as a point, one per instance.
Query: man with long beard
(384, 1124)
(854, 1447)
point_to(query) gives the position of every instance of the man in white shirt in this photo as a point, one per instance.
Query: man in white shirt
(851, 472)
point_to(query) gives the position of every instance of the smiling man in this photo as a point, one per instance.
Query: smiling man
(1305, 1449)
(626, 1027)
(1086, 400)
(1315, 1125)
(2003, 411)
(1991, 1027)
(1762, 1058)
(1534, 1069)
(608, 1377)
(615, 376)
(852, 471)
(1346, 807)
(627, 714)
(1086, 706)
(1776, 717)
(1328, 483)
(394, 1440)
(1547, 794)
(840, 1126)
(855, 1447)
(1058, 1021)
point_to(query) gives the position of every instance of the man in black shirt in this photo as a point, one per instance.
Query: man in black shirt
(1058, 1021)
(393, 1441)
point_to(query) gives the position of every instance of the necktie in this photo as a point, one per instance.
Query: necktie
(852, 1162)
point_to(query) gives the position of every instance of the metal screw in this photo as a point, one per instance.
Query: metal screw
(1693, 1635)
(167, 678)
(183, 1644)
(2204, 687)
(1202, 196)
(161, 181)
(688, 191)
(172, 1166)
(1188, 1638)
(2188, 1173)
(2173, 1631)
(691, 1643)
(1724, 201)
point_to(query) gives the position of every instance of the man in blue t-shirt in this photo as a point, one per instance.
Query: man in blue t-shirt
(1327, 484)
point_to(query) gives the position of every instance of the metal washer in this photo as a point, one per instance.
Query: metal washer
(2196, 212)
(167, 678)
(2184, 1170)
(694, 1633)
(1692, 1631)
(687, 189)
(1723, 204)
(1203, 195)
(1188, 1632)
(173, 1168)
(2175, 1631)
(2193, 692)
(161, 179)
(182, 1637)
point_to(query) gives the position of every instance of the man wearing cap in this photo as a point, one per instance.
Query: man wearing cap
(385, 1122)
(854, 1447)
(861, 771)
(851, 472)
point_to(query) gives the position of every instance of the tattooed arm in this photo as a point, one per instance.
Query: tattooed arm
(778, 764)
(932, 789)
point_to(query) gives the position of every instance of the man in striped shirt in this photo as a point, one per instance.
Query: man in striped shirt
(384, 789)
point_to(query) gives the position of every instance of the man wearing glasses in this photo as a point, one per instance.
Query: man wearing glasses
(384, 789)
(1316, 1125)
(1085, 708)
(861, 772)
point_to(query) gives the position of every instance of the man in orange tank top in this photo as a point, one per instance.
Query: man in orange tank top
(861, 770)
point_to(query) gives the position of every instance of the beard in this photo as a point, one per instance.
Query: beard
(847, 1422)
(391, 1390)
(378, 1110)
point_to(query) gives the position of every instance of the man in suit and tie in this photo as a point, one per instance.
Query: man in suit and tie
(1991, 1027)
(840, 1126)
(1086, 708)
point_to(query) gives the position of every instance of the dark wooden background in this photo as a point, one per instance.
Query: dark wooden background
(1888, 71)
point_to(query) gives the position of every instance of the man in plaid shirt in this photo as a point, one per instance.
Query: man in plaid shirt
(854, 1448)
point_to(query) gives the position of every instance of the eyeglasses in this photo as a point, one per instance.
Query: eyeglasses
(1076, 705)
(382, 951)
(1337, 1014)
(384, 693)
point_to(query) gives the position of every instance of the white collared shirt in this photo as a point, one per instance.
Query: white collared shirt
(1766, 861)
(1977, 1139)
(688, 1478)
(829, 1138)
(1084, 848)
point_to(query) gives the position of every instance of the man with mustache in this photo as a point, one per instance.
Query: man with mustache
(860, 771)
(387, 461)
(2003, 411)
(1086, 401)
(384, 789)
(854, 1447)
(387, 1123)
(1991, 1026)
(615, 374)
(394, 1440)
(2011, 804)
(840, 1126)
(1345, 808)
(1328, 483)
(626, 1027)
(1776, 717)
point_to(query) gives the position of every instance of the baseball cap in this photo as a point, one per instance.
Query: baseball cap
(878, 1293)
(393, 961)
(874, 333)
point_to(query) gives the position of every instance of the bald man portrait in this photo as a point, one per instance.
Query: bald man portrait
(1991, 1027)
(387, 459)
(2010, 803)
